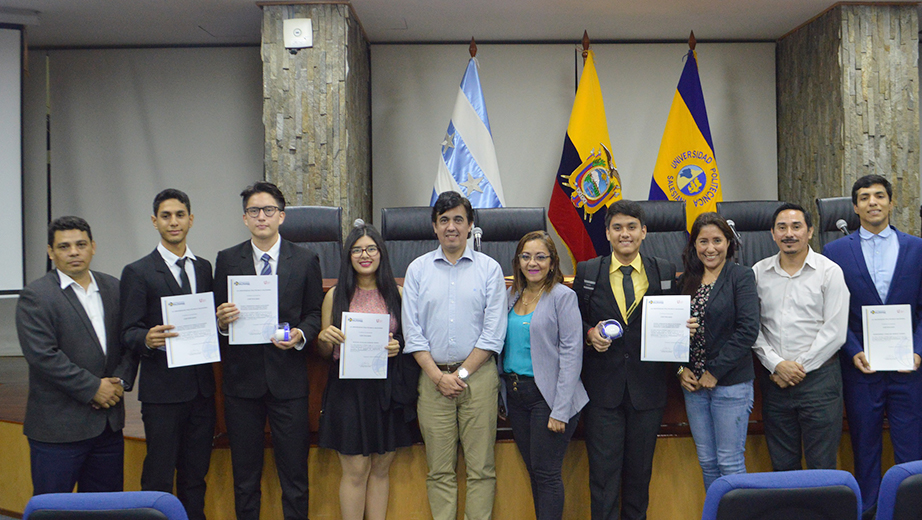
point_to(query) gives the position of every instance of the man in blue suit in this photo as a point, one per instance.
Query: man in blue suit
(882, 266)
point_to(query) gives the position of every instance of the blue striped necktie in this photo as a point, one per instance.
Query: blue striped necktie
(267, 269)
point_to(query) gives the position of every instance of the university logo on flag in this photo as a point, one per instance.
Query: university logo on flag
(587, 179)
(686, 169)
(468, 158)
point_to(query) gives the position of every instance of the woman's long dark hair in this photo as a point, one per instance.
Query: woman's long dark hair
(384, 276)
(694, 269)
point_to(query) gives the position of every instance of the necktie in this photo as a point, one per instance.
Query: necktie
(266, 269)
(627, 283)
(183, 277)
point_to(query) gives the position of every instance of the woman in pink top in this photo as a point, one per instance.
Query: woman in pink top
(365, 420)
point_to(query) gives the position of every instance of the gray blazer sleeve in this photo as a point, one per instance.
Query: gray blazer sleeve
(35, 324)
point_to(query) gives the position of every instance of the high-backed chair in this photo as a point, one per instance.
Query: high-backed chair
(127, 505)
(812, 494)
(503, 228)
(666, 230)
(830, 210)
(900, 495)
(753, 221)
(407, 234)
(318, 228)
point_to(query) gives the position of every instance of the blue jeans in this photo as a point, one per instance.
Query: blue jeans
(719, 420)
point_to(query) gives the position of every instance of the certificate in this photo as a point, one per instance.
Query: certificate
(364, 354)
(257, 299)
(664, 330)
(192, 317)
(888, 336)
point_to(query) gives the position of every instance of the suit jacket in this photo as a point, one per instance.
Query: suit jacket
(143, 283)
(731, 325)
(607, 374)
(252, 370)
(556, 352)
(66, 360)
(905, 288)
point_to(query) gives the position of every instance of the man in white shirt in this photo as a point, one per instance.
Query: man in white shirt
(68, 323)
(804, 302)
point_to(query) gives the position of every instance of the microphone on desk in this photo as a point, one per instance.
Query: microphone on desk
(478, 234)
(842, 226)
(739, 239)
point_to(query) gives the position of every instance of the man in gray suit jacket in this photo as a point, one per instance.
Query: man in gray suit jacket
(68, 325)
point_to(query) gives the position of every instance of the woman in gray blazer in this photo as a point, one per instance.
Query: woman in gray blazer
(540, 368)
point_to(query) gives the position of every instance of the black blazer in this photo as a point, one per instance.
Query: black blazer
(66, 360)
(143, 284)
(606, 374)
(731, 325)
(252, 370)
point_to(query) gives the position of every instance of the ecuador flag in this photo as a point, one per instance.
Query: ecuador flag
(686, 169)
(587, 179)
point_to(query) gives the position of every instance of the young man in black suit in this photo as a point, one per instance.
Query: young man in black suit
(270, 378)
(177, 404)
(626, 395)
(68, 324)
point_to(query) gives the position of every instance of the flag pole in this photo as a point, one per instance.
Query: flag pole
(691, 41)
(473, 48)
(585, 46)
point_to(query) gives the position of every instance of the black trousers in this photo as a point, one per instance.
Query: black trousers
(542, 450)
(179, 438)
(620, 443)
(288, 421)
(805, 419)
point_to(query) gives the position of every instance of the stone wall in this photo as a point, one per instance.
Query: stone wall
(847, 106)
(316, 111)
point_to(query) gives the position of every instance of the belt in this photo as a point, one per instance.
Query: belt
(512, 376)
(449, 367)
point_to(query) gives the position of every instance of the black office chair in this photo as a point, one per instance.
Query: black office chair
(318, 228)
(503, 228)
(830, 211)
(407, 234)
(753, 221)
(667, 233)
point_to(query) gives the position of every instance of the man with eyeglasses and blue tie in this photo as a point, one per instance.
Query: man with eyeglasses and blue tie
(177, 404)
(269, 379)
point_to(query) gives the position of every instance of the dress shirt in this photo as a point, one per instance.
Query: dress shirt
(170, 260)
(804, 315)
(449, 309)
(638, 276)
(880, 252)
(92, 304)
(273, 253)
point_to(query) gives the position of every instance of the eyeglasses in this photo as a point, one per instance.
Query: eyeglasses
(525, 257)
(357, 251)
(268, 210)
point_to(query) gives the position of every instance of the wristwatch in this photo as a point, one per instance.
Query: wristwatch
(463, 373)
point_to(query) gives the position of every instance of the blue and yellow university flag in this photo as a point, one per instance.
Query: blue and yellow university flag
(686, 169)
(587, 180)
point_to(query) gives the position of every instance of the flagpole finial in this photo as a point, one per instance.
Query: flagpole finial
(473, 48)
(691, 41)
(585, 44)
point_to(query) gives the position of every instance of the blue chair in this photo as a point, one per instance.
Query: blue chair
(126, 505)
(900, 495)
(813, 494)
